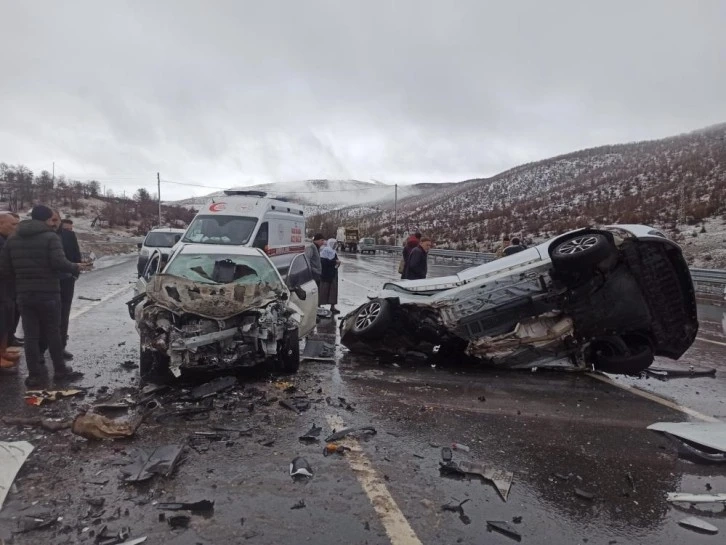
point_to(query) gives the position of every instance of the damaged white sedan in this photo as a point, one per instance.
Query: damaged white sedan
(609, 299)
(217, 308)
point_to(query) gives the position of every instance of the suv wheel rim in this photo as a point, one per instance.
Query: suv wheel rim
(367, 315)
(578, 245)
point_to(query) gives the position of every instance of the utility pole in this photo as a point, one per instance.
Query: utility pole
(158, 189)
(395, 214)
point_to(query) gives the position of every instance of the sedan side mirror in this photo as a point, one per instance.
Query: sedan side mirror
(301, 293)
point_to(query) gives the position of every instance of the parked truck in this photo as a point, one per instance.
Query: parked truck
(347, 239)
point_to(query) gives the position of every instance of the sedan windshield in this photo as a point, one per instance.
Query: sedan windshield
(233, 230)
(225, 269)
(161, 240)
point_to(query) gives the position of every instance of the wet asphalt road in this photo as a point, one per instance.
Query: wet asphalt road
(542, 426)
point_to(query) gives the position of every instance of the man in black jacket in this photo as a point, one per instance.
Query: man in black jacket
(417, 266)
(34, 257)
(8, 224)
(68, 281)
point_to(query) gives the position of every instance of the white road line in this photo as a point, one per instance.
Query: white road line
(397, 527)
(80, 312)
(671, 404)
(710, 341)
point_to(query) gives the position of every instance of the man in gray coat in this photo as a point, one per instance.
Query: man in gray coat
(34, 258)
(312, 252)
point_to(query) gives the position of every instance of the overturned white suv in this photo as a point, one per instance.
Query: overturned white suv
(609, 298)
(217, 308)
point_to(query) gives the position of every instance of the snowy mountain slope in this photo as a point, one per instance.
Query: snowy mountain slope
(323, 195)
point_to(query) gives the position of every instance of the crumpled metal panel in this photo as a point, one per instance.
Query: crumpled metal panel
(214, 301)
(539, 332)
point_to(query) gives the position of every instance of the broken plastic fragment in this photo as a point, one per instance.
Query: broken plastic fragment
(501, 479)
(12, 457)
(503, 528)
(213, 387)
(96, 426)
(711, 435)
(150, 462)
(698, 525)
(312, 435)
(202, 506)
(300, 467)
(446, 454)
(585, 495)
(458, 508)
(696, 498)
(179, 521)
(342, 434)
(38, 397)
(299, 505)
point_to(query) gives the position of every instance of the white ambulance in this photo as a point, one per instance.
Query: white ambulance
(249, 218)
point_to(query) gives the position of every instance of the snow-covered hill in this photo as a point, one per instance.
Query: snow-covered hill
(324, 195)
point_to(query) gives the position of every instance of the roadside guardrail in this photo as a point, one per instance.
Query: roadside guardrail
(706, 281)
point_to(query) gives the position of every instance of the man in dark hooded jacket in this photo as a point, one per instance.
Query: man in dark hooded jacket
(34, 257)
(8, 224)
(412, 242)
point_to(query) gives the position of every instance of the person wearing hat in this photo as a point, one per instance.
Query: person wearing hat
(34, 257)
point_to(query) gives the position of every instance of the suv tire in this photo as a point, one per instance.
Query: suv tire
(373, 319)
(581, 252)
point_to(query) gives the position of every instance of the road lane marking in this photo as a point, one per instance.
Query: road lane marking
(80, 312)
(710, 341)
(397, 527)
(671, 404)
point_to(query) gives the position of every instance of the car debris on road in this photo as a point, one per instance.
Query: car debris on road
(12, 458)
(502, 480)
(698, 525)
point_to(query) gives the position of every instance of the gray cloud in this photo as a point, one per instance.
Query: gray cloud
(230, 93)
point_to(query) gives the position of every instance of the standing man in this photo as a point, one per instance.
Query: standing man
(412, 242)
(417, 266)
(312, 252)
(34, 257)
(67, 281)
(8, 224)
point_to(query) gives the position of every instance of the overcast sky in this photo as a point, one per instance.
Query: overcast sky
(232, 93)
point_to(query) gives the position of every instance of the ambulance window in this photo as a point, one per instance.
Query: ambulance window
(262, 238)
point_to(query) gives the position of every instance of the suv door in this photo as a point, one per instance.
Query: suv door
(300, 276)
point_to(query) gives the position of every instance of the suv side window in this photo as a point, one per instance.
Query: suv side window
(262, 238)
(299, 272)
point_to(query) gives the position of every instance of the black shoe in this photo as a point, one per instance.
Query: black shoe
(16, 342)
(67, 373)
(334, 311)
(67, 355)
(35, 381)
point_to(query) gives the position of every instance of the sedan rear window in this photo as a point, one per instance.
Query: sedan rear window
(225, 269)
(161, 240)
(233, 230)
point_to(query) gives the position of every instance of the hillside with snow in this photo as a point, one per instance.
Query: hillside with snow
(319, 196)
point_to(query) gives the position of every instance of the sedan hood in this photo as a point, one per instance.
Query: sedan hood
(214, 301)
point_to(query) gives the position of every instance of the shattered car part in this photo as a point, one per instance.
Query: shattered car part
(38, 397)
(149, 462)
(12, 457)
(300, 467)
(96, 426)
(213, 387)
(312, 435)
(502, 480)
(504, 528)
(316, 350)
(711, 435)
(665, 373)
(698, 525)
(696, 498)
(202, 506)
(610, 298)
(342, 434)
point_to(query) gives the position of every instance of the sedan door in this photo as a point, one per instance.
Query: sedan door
(153, 266)
(300, 277)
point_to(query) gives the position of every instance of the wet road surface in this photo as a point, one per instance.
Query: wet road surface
(557, 432)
